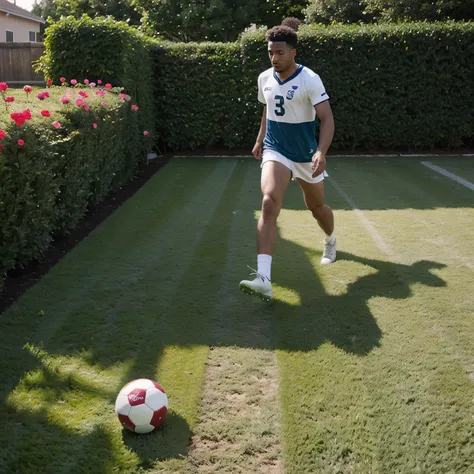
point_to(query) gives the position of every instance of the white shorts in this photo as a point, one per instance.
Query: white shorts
(298, 170)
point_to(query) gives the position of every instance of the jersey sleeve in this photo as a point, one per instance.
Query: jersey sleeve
(261, 97)
(316, 91)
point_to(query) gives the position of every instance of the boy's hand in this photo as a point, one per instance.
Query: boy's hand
(257, 151)
(318, 163)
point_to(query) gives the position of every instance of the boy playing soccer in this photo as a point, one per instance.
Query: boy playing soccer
(286, 145)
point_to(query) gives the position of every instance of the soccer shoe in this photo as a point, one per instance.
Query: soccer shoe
(329, 254)
(260, 286)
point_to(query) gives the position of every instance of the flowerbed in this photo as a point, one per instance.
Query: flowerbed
(62, 149)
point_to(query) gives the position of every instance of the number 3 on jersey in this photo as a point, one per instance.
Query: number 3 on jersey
(280, 110)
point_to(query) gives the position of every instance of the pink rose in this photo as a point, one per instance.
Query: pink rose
(145, 132)
(65, 100)
(73, 82)
(135, 107)
(18, 117)
(21, 117)
(2, 135)
(27, 89)
(103, 103)
(45, 113)
(86, 81)
(62, 79)
(94, 125)
(108, 86)
(21, 142)
(3, 86)
(99, 82)
(56, 124)
(10, 99)
(86, 108)
(80, 102)
(92, 84)
(83, 94)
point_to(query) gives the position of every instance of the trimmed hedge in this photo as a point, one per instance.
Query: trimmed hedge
(404, 86)
(106, 49)
(47, 185)
(201, 94)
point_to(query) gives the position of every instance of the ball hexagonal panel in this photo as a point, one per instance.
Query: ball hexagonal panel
(144, 429)
(122, 407)
(140, 415)
(156, 399)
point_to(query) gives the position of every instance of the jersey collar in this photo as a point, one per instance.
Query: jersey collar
(275, 75)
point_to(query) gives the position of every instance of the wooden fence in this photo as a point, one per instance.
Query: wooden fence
(16, 63)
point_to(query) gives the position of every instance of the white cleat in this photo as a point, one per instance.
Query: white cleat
(260, 286)
(329, 254)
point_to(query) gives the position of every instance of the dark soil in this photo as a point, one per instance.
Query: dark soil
(19, 280)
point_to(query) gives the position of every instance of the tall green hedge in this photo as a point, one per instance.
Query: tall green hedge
(105, 49)
(397, 86)
(201, 94)
(47, 185)
(406, 86)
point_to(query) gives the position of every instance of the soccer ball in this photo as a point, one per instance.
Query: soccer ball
(141, 406)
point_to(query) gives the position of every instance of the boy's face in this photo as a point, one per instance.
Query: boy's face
(281, 54)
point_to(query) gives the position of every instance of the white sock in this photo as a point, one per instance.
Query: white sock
(264, 265)
(330, 238)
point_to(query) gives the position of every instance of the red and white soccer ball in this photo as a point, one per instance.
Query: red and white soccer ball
(141, 406)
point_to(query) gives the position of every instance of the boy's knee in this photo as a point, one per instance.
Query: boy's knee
(270, 207)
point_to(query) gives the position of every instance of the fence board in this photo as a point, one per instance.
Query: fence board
(16, 63)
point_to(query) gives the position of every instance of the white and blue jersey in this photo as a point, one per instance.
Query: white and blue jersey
(291, 118)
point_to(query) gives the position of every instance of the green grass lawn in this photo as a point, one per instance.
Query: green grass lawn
(364, 366)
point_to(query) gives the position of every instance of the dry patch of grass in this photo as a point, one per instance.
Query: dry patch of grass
(239, 427)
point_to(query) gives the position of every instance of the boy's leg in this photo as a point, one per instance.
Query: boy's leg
(314, 200)
(274, 181)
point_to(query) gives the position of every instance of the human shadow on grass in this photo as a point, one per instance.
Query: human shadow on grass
(344, 320)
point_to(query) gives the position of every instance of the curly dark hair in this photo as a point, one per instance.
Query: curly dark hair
(292, 22)
(282, 33)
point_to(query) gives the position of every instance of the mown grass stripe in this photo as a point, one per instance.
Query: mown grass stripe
(239, 427)
(454, 177)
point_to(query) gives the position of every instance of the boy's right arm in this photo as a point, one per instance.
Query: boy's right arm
(257, 149)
